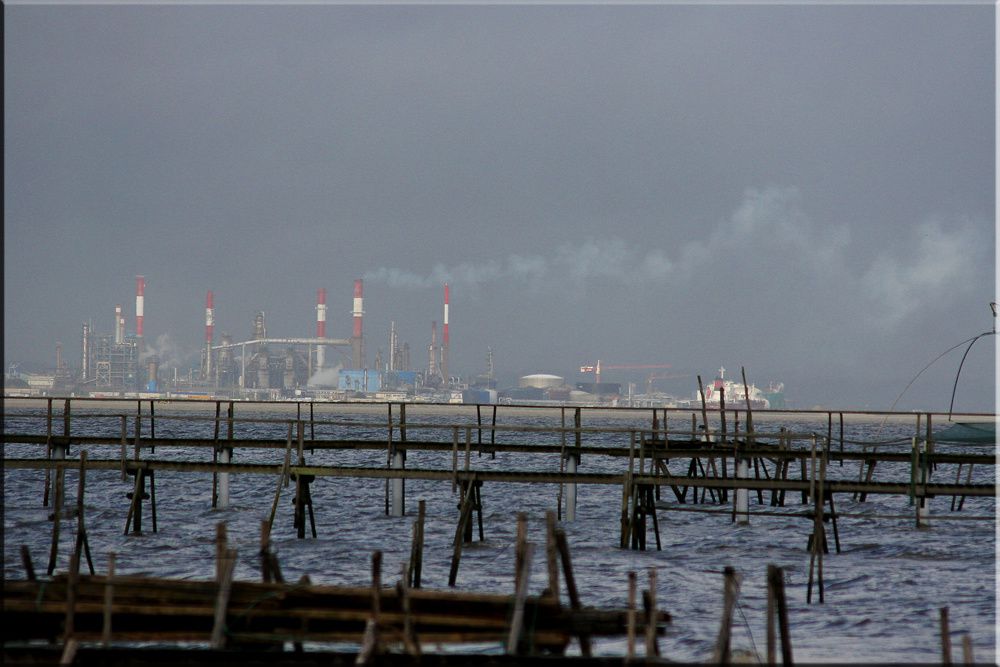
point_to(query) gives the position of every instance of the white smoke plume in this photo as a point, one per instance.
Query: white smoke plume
(768, 245)
(170, 353)
(326, 377)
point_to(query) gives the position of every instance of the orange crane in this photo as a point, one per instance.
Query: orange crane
(596, 368)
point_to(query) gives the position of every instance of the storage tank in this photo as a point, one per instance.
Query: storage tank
(541, 381)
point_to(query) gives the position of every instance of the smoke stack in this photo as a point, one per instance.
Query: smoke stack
(320, 326)
(59, 361)
(85, 360)
(432, 367)
(119, 325)
(356, 337)
(209, 331)
(140, 294)
(444, 337)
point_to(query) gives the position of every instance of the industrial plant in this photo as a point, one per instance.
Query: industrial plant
(117, 362)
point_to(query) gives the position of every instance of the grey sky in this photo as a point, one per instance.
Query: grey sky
(806, 191)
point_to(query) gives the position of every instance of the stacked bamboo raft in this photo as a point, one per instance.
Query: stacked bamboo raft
(128, 609)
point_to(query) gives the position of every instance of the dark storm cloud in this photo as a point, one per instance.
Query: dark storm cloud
(807, 191)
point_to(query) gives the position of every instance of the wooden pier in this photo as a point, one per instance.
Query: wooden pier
(663, 460)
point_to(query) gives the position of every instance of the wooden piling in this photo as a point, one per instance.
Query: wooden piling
(721, 655)
(652, 648)
(631, 622)
(71, 583)
(56, 517)
(520, 547)
(410, 642)
(227, 566)
(551, 555)
(48, 453)
(29, 568)
(777, 605)
(82, 543)
(574, 597)
(514, 638)
(376, 617)
(967, 656)
(109, 597)
(417, 547)
(221, 549)
(945, 637)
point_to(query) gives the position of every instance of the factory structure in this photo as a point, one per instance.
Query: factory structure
(116, 362)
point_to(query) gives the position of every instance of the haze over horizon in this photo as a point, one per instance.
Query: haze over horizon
(805, 191)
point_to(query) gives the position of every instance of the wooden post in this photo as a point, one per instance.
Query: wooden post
(631, 618)
(82, 543)
(721, 655)
(776, 598)
(220, 550)
(652, 650)
(225, 584)
(464, 518)
(215, 455)
(29, 568)
(945, 637)
(71, 582)
(377, 598)
(520, 546)
(818, 536)
(574, 597)
(403, 592)
(967, 657)
(551, 555)
(56, 517)
(48, 453)
(520, 593)
(417, 548)
(109, 596)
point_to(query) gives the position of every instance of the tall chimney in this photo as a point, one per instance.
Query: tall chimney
(432, 367)
(320, 326)
(140, 295)
(119, 325)
(209, 331)
(85, 359)
(445, 343)
(356, 337)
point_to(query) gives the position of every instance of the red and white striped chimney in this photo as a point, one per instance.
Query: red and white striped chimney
(445, 340)
(358, 312)
(320, 325)
(119, 325)
(140, 293)
(209, 318)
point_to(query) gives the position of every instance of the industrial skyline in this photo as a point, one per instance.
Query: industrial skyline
(805, 191)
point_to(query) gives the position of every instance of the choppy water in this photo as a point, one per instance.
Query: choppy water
(883, 592)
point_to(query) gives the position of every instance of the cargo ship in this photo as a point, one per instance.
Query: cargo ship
(736, 395)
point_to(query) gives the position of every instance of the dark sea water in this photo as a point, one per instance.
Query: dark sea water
(882, 597)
